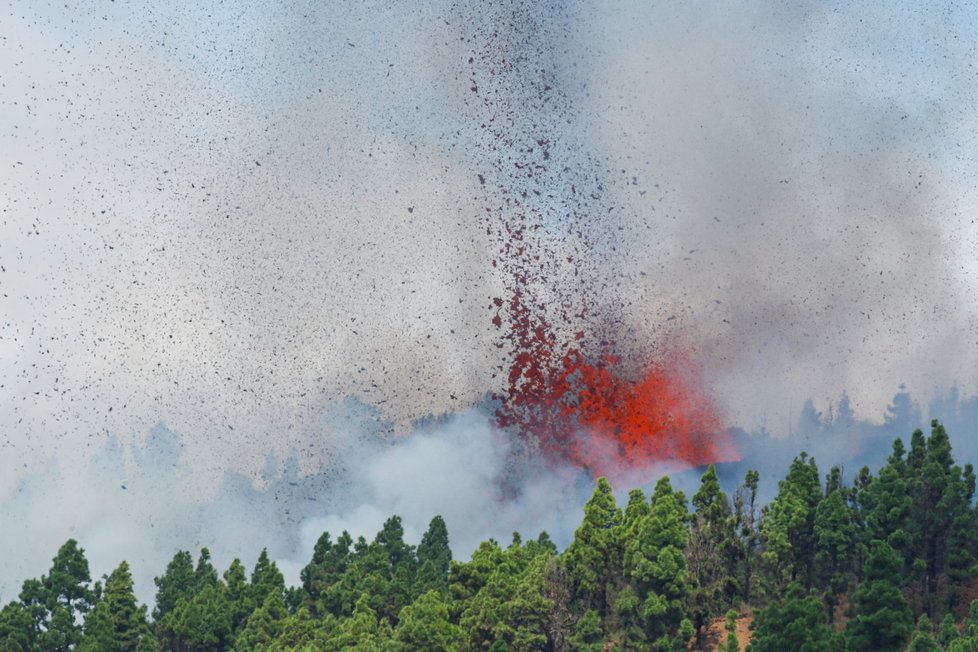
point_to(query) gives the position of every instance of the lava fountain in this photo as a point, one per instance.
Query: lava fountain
(600, 411)
(575, 384)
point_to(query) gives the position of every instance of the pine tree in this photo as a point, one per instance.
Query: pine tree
(266, 579)
(968, 641)
(961, 540)
(587, 633)
(835, 539)
(593, 558)
(965, 644)
(885, 503)
(264, 624)
(391, 540)
(948, 632)
(204, 574)
(732, 643)
(361, 631)
(117, 623)
(941, 492)
(797, 623)
(434, 558)
(17, 631)
(200, 624)
(511, 605)
(321, 576)
(484, 619)
(745, 517)
(971, 623)
(883, 620)
(637, 508)
(788, 527)
(238, 595)
(59, 600)
(711, 553)
(526, 612)
(425, 625)
(655, 565)
(923, 637)
(468, 578)
(557, 591)
(301, 631)
(177, 582)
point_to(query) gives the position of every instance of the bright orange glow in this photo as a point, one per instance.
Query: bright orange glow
(588, 410)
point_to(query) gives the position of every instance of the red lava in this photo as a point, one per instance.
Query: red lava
(590, 411)
(560, 225)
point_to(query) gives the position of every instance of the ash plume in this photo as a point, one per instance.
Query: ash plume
(229, 220)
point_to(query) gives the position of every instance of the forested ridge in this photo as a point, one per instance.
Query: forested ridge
(886, 561)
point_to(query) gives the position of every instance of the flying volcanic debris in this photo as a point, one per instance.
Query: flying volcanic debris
(223, 225)
(576, 385)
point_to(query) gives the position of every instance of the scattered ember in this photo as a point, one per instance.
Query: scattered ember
(574, 384)
(590, 411)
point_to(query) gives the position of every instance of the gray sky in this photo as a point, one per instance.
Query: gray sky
(229, 216)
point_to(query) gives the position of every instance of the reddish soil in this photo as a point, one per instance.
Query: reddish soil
(716, 633)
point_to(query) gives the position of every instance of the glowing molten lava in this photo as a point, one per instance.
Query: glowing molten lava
(559, 219)
(590, 411)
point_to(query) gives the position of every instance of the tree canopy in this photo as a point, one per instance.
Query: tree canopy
(882, 564)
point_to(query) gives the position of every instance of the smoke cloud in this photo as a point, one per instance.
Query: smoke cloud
(140, 504)
(265, 227)
(812, 224)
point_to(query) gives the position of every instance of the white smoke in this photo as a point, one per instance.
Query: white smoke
(228, 218)
(461, 468)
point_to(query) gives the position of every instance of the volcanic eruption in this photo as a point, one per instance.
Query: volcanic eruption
(576, 385)
(590, 400)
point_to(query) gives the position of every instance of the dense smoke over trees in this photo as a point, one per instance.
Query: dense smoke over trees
(141, 501)
(877, 562)
(231, 218)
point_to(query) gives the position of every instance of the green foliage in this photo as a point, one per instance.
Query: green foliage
(587, 633)
(238, 595)
(712, 553)
(16, 628)
(434, 557)
(948, 632)
(883, 620)
(425, 625)
(788, 527)
(655, 565)
(266, 579)
(886, 504)
(175, 584)
(264, 625)
(205, 574)
(940, 516)
(594, 556)
(511, 606)
(637, 508)
(57, 602)
(646, 577)
(361, 631)
(923, 637)
(302, 631)
(969, 644)
(968, 639)
(971, 624)
(835, 539)
(117, 623)
(467, 579)
(321, 577)
(797, 623)
(748, 537)
(731, 643)
(199, 624)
